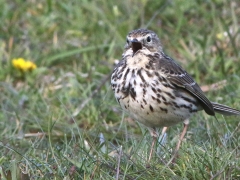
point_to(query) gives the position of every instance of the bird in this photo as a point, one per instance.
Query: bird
(153, 89)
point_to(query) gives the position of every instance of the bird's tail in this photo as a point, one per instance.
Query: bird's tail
(225, 110)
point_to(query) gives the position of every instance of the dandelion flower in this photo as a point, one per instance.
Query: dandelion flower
(23, 65)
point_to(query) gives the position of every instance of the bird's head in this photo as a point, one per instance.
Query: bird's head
(143, 39)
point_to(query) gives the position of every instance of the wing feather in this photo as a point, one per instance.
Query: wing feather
(179, 77)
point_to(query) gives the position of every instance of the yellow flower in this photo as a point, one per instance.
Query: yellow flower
(222, 35)
(23, 65)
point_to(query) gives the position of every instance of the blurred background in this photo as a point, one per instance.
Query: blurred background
(58, 116)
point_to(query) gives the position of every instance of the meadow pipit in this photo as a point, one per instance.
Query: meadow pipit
(156, 91)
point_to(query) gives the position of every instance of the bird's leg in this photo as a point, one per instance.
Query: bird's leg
(154, 135)
(163, 132)
(185, 123)
(185, 126)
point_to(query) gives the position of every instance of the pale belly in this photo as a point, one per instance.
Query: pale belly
(151, 100)
(153, 114)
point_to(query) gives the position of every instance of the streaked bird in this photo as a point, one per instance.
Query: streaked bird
(156, 91)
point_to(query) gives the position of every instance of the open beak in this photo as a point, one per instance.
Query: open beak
(136, 45)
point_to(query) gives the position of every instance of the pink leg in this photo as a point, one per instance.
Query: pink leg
(185, 123)
(181, 137)
(154, 135)
(164, 130)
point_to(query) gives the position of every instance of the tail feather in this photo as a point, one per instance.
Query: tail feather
(225, 110)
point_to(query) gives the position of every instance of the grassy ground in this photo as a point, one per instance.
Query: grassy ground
(61, 121)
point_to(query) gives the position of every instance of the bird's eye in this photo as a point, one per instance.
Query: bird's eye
(149, 39)
(127, 41)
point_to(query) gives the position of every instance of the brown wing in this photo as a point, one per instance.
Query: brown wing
(181, 78)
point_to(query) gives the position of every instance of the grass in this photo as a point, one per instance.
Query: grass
(61, 120)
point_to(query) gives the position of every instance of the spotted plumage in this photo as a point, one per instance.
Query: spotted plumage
(153, 89)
